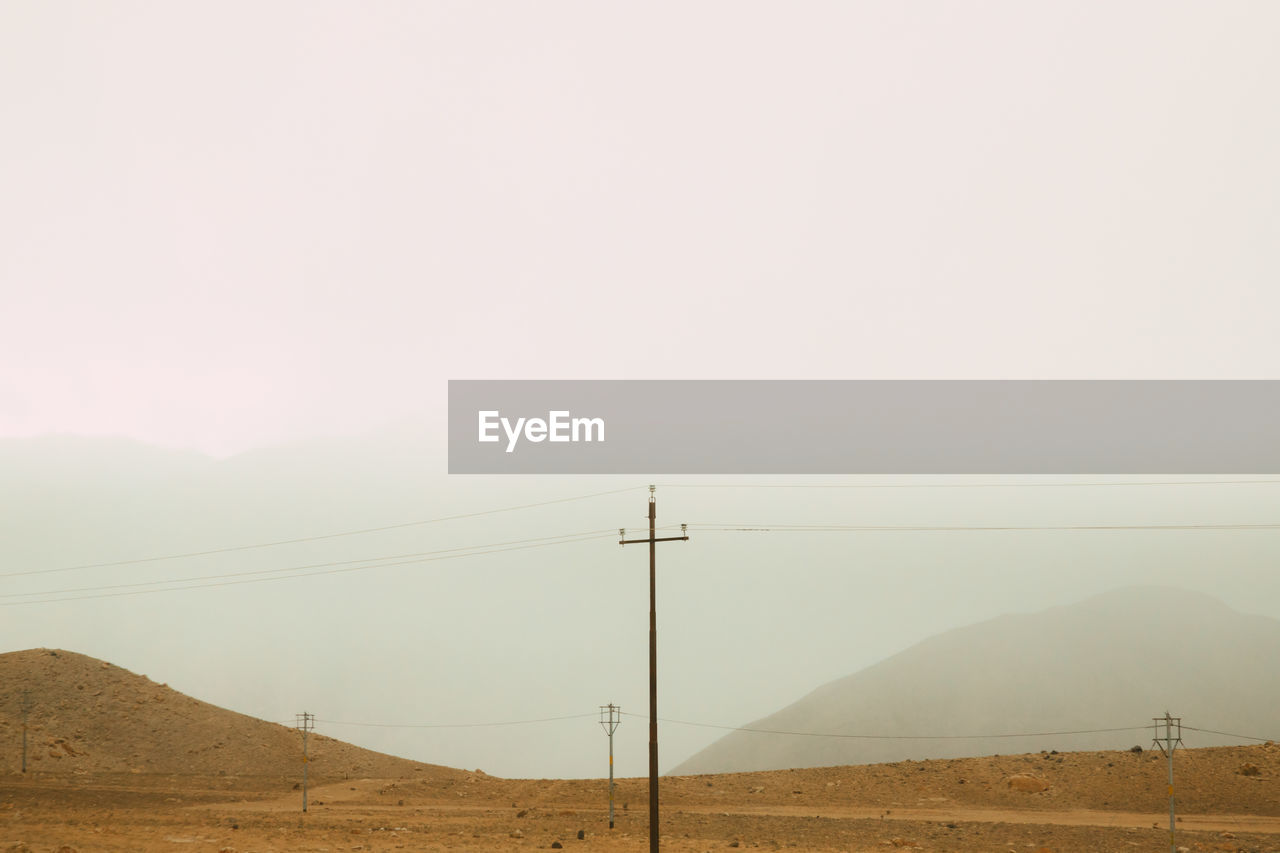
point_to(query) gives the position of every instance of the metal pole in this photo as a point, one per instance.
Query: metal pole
(306, 722)
(1168, 744)
(610, 725)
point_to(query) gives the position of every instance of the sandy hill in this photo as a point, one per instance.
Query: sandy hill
(88, 717)
(1115, 660)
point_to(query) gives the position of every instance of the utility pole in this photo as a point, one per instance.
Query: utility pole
(1168, 743)
(653, 540)
(26, 710)
(306, 722)
(610, 725)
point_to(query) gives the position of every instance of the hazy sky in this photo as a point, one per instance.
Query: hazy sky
(229, 224)
(234, 225)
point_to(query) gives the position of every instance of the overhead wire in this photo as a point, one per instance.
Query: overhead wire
(986, 485)
(753, 730)
(889, 737)
(454, 725)
(281, 571)
(768, 527)
(316, 538)
(347, 569)
(1229, 734)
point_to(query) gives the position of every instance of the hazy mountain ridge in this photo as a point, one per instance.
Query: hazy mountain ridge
(1115, 660)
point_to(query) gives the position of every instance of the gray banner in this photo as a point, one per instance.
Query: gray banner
(864, 427)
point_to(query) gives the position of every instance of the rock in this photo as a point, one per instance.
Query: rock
(1026, 784)
(582, 833)
(1248, 769)
(522, 813)
(556, 845)
(515, 833)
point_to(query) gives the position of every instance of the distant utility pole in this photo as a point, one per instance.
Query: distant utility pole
(306, 722)
(610, 723)
(653, 656)
(26, 710)
(1168, 743)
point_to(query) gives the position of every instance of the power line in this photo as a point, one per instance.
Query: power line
(316, 538)
(1229, 734)
(373, 560)
(762, 527)
(964, 485)
(895, 737)
(455, 725)
(752, 730)
(300, 575)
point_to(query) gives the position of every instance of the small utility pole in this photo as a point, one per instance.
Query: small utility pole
(652, 540)
(1168, 743)
(610, 723)
(306, 722)
(26, 710)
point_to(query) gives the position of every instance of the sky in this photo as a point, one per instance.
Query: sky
(231, 227)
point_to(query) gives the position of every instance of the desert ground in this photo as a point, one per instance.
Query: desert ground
(1101, 801)
(117, 762)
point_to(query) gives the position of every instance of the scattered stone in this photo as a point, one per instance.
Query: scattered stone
(1248, 769)
(522, 813)
(516, 833)
(582, 833)
(556, 845)
(1026, 783)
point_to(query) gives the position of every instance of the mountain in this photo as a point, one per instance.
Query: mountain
(88, 717)
(1112, 661)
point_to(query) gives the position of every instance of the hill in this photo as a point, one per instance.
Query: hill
(89, 718)
(1112, 661)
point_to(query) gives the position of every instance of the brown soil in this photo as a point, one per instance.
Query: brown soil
(98, 788)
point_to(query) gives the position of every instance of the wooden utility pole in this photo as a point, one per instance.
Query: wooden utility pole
(653, 541)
